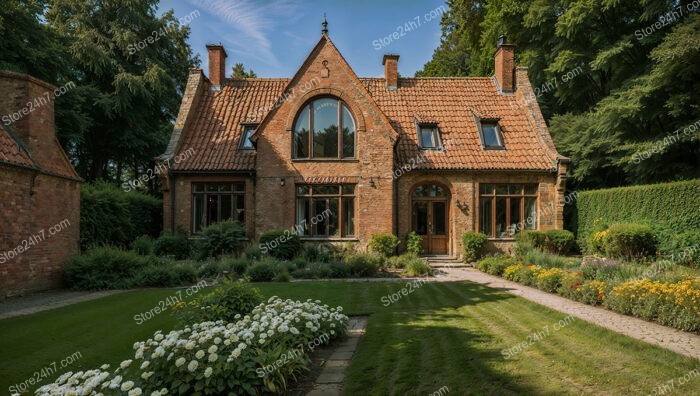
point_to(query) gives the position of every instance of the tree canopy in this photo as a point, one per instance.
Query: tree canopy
(636, 81)
(238, 71)
(127, 67)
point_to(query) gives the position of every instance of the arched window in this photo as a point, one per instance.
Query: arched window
(429, 191)
(324, 128)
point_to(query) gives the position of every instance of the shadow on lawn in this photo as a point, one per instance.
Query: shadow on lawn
(409, 351)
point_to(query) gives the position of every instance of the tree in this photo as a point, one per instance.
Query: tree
(239, 72)
(633, 83)
(129, 67)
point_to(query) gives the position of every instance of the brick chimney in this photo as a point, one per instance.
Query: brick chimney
(26, 106)
(217, 64)
(504, 58)
(391, 71)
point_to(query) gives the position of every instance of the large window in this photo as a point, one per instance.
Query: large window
(507, 209)
(324, 128)
(215, 202)
(326, 211)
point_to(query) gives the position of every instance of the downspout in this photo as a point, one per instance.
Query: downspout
(172, 202)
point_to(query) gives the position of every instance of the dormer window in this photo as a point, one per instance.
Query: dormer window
(429, 137)
(246, 143)
(490, 134)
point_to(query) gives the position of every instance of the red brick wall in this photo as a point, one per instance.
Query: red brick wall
(463, 186)
(374, 151)
(26, 211)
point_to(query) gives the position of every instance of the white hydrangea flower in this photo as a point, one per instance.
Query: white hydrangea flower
(136, 392)
(180, 361)
(199, 354)
(208, 372)
(125, 364)
(126, 386)
(193, 366)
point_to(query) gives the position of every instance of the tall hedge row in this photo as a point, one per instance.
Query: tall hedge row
(112, 216)
(669, 208)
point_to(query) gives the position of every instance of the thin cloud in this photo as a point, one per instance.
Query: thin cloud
(255, 20)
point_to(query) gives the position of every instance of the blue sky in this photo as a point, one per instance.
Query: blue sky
(274, 37)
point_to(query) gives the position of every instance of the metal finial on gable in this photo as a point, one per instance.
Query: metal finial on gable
(325, 24)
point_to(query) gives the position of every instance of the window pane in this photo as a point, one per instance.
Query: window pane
(501, 211)
(325, 190)
(419, 191)
(531, 189)
(199, 187)
(240, 208)
(515, 189)
(212, 209)
(320, 217)
(348, 217)
(349, 189)
(303, 215)
(439, 212)
(531, 213)
(333, 217)
(502, 189)
(303, 190)
(490, 136)
(486, 189)
(226, 207)
(239, 187)
(199, 215)
(420, 218)
(515, 219)
(486, 216)
(348, 134)
(225, 187)
(301, 135)
(212, 187)
(247, 133)
(325, 128)
(427, 137)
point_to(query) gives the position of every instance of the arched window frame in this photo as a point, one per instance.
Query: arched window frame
(308, 105)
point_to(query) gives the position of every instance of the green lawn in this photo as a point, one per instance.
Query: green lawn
(446, 334)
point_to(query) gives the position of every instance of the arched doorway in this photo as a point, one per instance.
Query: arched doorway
(429, 217)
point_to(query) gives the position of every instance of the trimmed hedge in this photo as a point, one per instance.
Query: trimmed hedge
(112, 216)
(280, 244)
(472, 243)
(669, 208)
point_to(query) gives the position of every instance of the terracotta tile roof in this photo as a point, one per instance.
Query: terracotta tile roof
(12, 152)
(216, 131)
(450, 102)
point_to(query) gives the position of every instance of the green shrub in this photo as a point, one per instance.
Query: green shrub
(559, 241)
(112, 268)
(263, 271)
(550, 280)
(212, 268)
(364, 264)
(252, 252)
(473, 243)
(664, 205)
(224, 237)
(495, 265)
(282, 276)
(111, 216)
(238, 266)
(172, 245)
(339, 270)
(280, 244)
(143, 245)
(629, 241)
(535, 239)
(299, 262)
(547, 260)
(311, 252)
(418, 267)
(527, 274)
(686, 249)
(402, 260)
(414, 243)
(222, 303)
(384, 244)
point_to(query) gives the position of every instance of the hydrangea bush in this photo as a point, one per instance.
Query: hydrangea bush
(217, 357)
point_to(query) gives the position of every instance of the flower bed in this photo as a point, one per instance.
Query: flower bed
(675, 304)
(217, 357)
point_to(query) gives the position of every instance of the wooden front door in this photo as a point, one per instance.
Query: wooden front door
(430, 222)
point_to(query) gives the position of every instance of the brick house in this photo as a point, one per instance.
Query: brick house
(39, 189)
(339, 158)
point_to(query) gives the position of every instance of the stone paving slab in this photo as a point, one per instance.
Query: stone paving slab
(330, 381)
(678, 341)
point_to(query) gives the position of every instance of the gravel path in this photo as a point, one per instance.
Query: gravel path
(47, 300)
(681, 342)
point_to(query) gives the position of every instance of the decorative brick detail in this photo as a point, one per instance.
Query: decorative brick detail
(504, 59)
(391, 71)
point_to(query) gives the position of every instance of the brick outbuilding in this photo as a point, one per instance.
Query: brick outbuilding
(39, 189)
(338, 158)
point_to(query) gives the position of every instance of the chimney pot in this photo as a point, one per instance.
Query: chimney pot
(391, 71)
(504, 59)
(217, 64)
